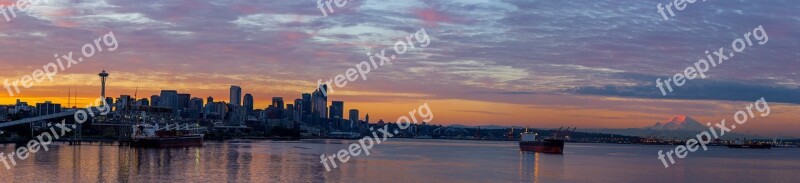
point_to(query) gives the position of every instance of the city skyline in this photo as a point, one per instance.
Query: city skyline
(482, 68)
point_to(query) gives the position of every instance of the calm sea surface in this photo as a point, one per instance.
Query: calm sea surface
(398, 160)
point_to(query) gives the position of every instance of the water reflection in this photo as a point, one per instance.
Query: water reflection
(529, 166)
(397, 160)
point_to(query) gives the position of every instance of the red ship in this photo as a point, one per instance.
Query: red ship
(552, 145)
(151, 136)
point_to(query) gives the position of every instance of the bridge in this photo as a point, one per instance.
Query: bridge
(68, 112)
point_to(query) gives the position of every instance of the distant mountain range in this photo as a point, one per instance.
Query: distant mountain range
(678, 127)
(681, 126)
(679, 123)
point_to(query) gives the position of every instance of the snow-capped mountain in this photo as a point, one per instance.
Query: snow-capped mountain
(681, 122)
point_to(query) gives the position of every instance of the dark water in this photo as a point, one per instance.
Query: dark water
(398, 160)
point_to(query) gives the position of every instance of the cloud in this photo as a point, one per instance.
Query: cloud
(697, 89)
(484, 112)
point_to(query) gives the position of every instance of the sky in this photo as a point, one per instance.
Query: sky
(545, 64)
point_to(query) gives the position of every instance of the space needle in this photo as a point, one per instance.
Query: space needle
(103, 75)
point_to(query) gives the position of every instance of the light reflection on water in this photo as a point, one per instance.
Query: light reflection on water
(397, 160)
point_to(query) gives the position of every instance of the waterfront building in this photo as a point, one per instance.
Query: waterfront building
(47, 108)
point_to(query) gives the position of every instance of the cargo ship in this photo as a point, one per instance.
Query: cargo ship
(528, 142)
(146, 135)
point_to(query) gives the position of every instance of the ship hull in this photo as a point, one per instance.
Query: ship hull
(169, 142)
(546, 146)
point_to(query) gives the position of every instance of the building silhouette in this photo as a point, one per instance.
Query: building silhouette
(248, 103)
(337, 110)
(236, 95)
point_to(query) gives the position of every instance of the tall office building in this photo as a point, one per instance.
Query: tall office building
(278, 102)
(124, 102)
(298, 105)
(183, 101)
(320, 102)
(196, 107)
(169, 98)
(47, 108)
(248, 103)
(143, 102)
(155, 100)
(353, 115)
(306, 103)
(337, 110)
(110, 102)
(298, 110)
(196, 103)
(209, 100)
(236, 95)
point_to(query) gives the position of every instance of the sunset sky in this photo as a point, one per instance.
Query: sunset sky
(590, 64)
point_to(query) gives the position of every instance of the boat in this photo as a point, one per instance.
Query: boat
(151, 136)
(528, 142)
(749, 145)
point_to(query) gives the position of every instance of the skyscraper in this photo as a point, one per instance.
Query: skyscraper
(248, 103)
(320, 102)
(143, 102)
(110, 101)
(155, 100)
(337, 110)
(124, 102)
(196, 103)
(209, 100)
(298, 105)
(306, 103)
(278, 102)
(169, 98)
(236, 95)
(183, 101)
(195, 107)
(353, 115)
(47, 108)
